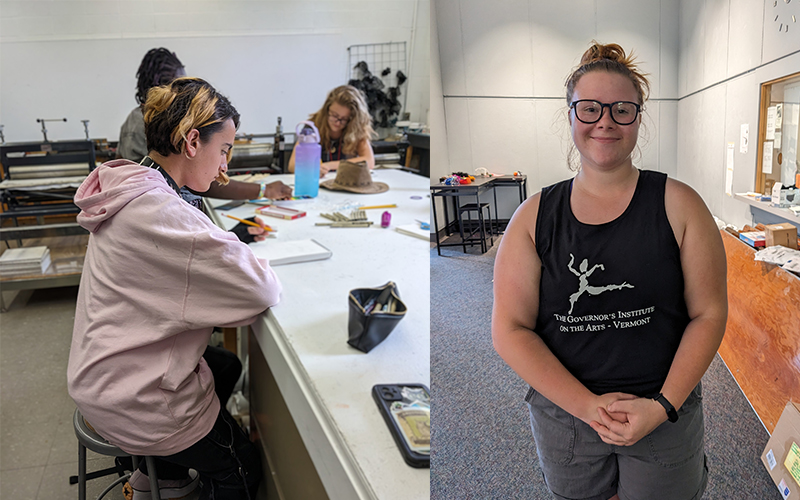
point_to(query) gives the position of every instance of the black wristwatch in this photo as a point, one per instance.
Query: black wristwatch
(672, 415)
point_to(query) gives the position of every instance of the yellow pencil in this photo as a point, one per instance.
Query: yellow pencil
(251, 223)
(379, 206)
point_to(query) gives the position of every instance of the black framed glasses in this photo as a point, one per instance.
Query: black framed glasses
(622, 112)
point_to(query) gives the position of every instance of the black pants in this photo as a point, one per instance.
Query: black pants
(228, 463)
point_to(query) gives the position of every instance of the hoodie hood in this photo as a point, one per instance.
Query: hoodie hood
(110, 187)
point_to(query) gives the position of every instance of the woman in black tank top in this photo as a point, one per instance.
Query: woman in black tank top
(610, 301)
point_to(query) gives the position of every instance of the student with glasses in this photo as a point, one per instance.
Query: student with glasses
(345, 129)
(610, 302)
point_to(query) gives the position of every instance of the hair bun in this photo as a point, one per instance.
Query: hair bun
(611, 51)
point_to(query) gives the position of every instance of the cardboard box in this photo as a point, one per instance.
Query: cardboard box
(778, 456)
(784, 234)
(756, 239)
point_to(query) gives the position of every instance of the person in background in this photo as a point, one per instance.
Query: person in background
(159, 67)
(345, 129)
(610, 302)
(157, 277)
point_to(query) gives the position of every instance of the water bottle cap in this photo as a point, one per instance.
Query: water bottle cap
(307, 132)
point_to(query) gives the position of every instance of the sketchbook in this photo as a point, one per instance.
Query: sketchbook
(279, 252)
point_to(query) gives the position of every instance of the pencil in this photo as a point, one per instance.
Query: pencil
(379, 206)
(251, 223)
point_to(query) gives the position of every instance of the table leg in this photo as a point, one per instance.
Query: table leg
(436, 223)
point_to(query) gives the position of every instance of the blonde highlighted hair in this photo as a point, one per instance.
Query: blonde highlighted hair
(359, 126)
(610, 58)
(173, 110)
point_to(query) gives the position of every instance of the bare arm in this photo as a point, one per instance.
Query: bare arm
(517, 275)
(290, 166)
(705, 292)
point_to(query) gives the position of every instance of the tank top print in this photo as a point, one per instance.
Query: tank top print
(334, 152)
(611, 304)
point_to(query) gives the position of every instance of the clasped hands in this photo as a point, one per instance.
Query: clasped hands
(623, 419)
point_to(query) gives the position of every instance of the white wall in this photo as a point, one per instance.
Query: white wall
(503, 68)
(78, 59)
(728, 48)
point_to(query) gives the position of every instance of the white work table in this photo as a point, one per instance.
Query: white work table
(325, 383)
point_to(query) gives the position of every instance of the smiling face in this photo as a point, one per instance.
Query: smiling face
(338, 117)
(211, 157)
(604, 145)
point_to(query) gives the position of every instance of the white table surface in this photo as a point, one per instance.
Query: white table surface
(325, 382)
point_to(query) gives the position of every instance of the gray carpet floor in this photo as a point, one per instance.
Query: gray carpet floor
(481, 440)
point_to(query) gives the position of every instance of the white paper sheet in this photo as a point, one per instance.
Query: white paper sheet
(770, 123)
(766, 163)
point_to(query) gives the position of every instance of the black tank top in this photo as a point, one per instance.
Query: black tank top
(334, 152)
(611, 304)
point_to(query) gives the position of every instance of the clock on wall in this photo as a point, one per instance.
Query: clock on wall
(786, 13)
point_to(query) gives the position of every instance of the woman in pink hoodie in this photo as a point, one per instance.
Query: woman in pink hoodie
(158, 276)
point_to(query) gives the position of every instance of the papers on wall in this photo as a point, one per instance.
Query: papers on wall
(766, 161)
(771, 123)
(778, 115)
(729, 170)
(280, 253)
(777, 142)
(744, 138)
(24, 261)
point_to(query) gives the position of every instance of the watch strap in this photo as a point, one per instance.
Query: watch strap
(672, 415)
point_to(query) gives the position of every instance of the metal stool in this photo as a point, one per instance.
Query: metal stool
(87, 438)
(473, 207)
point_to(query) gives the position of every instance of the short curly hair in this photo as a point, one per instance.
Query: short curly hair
(158, 67)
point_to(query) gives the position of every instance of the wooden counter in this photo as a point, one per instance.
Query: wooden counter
(761, 346)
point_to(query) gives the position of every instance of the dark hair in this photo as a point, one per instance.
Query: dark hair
(611, 58)
(172, 110)
(159, 67)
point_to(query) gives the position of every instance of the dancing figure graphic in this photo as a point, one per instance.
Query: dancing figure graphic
(583, 279)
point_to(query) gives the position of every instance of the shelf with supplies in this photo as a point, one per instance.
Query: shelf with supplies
(67, 244)
(766, 206)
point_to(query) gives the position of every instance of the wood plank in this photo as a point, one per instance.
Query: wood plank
(761, 346)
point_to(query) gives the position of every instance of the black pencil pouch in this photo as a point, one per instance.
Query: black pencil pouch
(374, 312)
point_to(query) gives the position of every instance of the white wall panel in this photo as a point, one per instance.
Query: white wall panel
(440, 161)
(744, 47)
(501, 134)
(648, 141)
(451, 49)
(497, 48)
(669, 44)
(560, 34)
(640, 37)
(777, 44)
(668, 137)
(459, 143)
(715, 42)
(552, 143)
(691, 53)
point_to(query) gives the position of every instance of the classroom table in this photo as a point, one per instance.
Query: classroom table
(474, 189)
(326, 383)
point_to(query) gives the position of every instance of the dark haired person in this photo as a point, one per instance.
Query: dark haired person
(158, 276)
(610, 302)
(159, 67)
(345, 129)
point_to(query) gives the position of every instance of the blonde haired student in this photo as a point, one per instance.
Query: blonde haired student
(345, 129)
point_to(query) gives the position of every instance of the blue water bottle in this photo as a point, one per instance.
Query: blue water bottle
(307, 157)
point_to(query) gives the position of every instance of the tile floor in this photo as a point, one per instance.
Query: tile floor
(38, 448)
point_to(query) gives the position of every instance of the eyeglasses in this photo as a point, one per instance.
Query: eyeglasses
(336, 119)
(622, 112)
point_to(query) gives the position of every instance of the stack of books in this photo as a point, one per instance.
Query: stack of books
(24, 261)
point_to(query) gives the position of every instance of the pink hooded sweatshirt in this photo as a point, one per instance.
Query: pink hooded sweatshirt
(158, 276)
